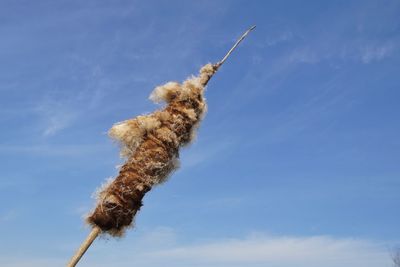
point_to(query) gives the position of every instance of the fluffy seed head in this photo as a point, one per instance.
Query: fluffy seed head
(151, 145)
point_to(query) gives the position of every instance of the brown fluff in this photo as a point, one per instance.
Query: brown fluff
(151, 145)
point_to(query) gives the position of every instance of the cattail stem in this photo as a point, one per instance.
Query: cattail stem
(84, 246)
(219, 63)
(234, 46)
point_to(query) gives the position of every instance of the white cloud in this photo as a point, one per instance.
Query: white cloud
(56, 116)
(372, 53)
(161, 247)
(54, 150)
(198, 154)
(159, 237)
(57, 122)
(304, 55)
(31, 262)
(273, 39)
(255, 250)
(280, 251)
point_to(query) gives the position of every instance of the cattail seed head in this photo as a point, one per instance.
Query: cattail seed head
(151, 145)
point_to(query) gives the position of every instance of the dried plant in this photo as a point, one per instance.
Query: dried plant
(151, 144)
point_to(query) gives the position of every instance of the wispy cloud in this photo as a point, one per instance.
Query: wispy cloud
(254, 250)
(61, 108)
(160, 237)
(161, 247)
(198, 154)
(18, 262)
(280, 251)
(303, 55)
(56, 120)
(371, 53)
(54, 150)
(276, 38)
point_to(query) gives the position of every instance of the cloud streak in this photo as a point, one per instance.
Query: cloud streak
(259, 250)
(281, 251)
(375, 53)
(159, 247)
(54, 150)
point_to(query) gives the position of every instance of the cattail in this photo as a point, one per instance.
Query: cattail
(151, 144)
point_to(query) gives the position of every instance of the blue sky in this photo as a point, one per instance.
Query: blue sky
(295, 164)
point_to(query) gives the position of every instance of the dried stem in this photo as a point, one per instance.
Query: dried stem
(234, 46)
(219, 63)
(85, 245)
